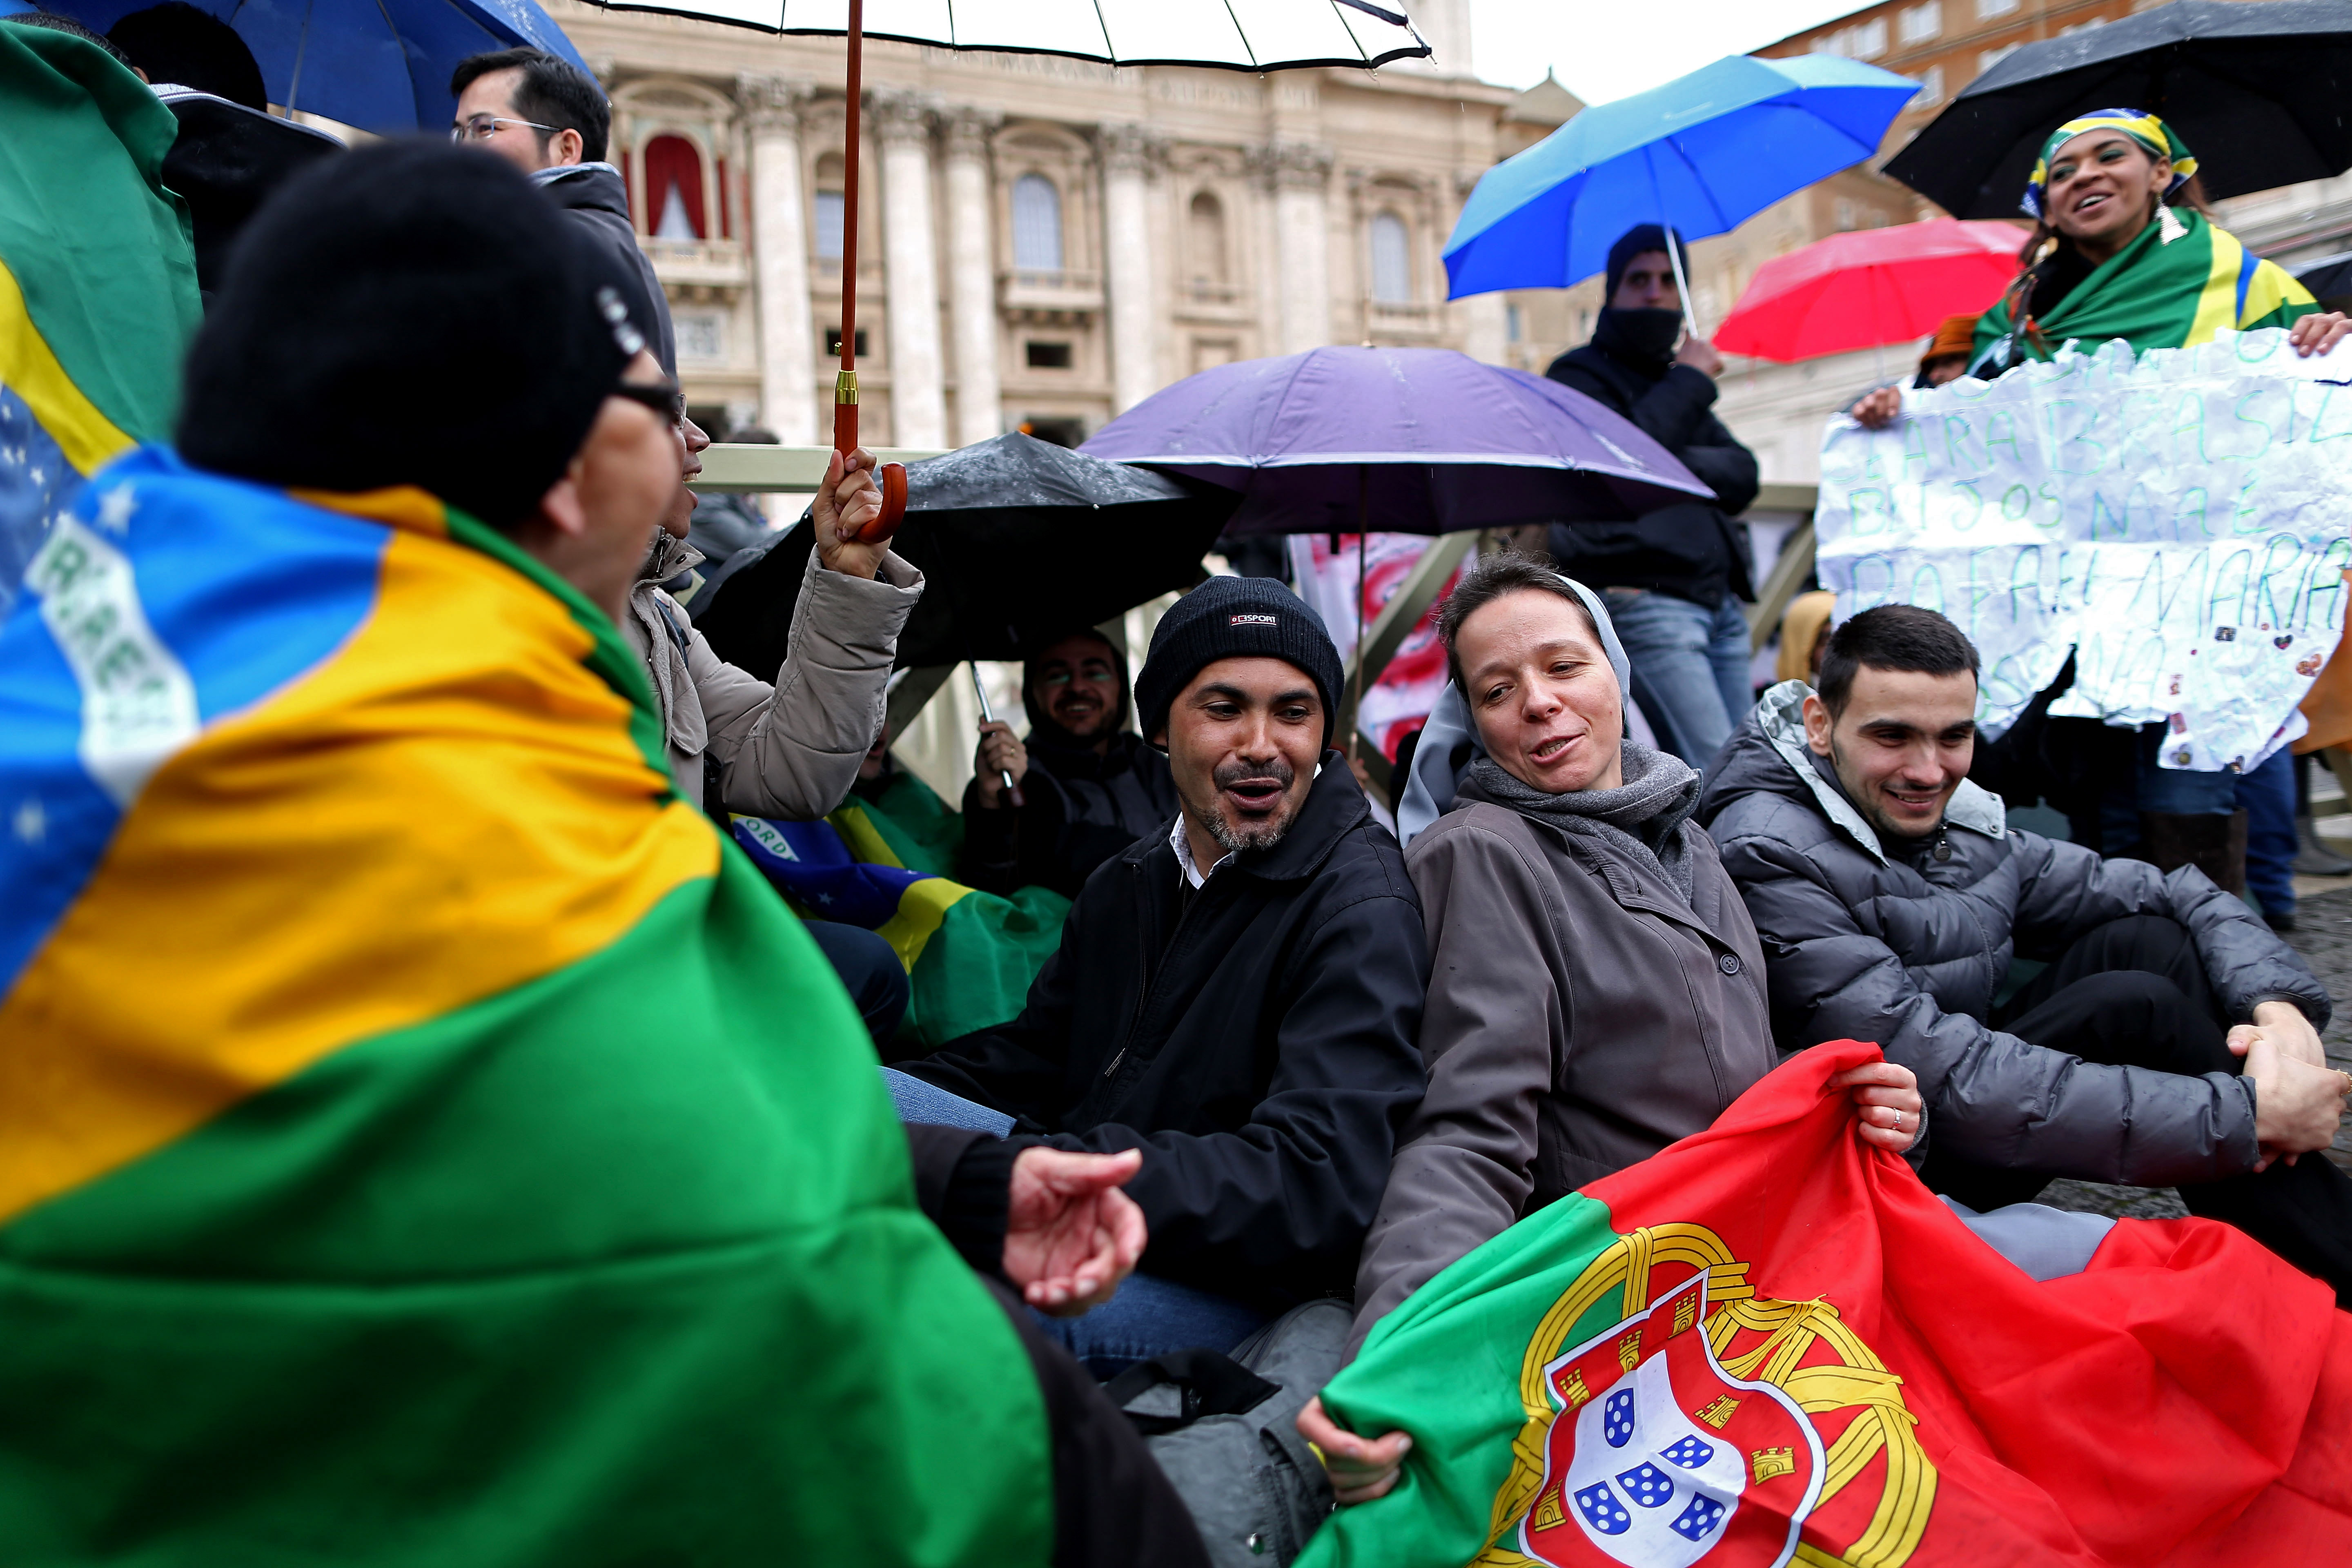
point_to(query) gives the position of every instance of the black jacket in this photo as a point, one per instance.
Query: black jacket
(1113, 1507)
(1690, 550)
(1885, 943)
(593, 193)
(1259, 1049)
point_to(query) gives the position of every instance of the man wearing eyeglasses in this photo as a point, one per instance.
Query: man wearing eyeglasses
(546, 117)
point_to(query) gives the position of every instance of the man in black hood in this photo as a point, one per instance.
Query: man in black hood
(1672, 577)
(546, 117)
(1089, 785)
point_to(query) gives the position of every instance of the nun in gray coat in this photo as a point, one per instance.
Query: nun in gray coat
(1596, 987)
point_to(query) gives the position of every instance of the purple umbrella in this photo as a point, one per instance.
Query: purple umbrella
(1341, 440)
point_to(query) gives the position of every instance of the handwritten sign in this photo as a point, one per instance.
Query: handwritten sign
(2183, 521)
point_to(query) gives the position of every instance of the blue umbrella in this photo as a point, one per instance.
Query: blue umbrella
(381, 64)
(1705, 153)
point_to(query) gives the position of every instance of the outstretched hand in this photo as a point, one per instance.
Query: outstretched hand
(2317, 334)
(1876, 410)
(1361, 1468)
(1887, 1107)
(845, 502)
(1070, 1234)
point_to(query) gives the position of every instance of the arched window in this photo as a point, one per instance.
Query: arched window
(1392, 260)
(1036, 224)
(1206, 238)
(829, 207)
(674, 185)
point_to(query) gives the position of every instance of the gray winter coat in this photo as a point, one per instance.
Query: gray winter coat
(1580, 1016)
(789, 750)
(1888, 944)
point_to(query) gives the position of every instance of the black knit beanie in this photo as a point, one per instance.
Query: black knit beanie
(1235, 617)
(412, 313)
(1641, 236)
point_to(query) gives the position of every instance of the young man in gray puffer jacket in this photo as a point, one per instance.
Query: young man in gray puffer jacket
(2171, 1041)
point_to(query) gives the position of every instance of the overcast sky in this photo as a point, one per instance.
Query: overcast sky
(1604, 49)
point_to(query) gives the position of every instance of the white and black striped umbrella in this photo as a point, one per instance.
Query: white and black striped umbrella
(1237, 34)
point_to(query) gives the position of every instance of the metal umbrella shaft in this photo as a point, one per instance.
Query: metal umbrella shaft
(988, 716)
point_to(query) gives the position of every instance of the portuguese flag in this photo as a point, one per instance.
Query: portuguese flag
(970, 956)
(423, 1139)
(98, 279)
(1768, 1344)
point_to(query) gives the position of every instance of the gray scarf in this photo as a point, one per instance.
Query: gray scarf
(1643, 817)
(681, 710)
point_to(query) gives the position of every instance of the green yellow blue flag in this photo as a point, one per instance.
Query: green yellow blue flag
(98, 277)
(423, 1139)
(970, 956)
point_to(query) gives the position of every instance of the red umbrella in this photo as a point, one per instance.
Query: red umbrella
(1870, 287)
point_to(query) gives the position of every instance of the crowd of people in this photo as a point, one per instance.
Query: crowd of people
(1282, 1057)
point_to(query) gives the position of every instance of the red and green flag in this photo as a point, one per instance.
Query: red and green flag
(1769, 1345)
(424, 1140)
(98, 279)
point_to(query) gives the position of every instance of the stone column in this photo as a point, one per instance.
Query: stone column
(919, 407)
(1478, 323)
(971, 276)
(1128, 151)
(1300, 175)
(779, 257)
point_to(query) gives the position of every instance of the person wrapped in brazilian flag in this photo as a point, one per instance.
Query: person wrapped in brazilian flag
(423, 1139)
(2121, 249)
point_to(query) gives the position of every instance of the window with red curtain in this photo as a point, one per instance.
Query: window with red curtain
(674, 189)
(726, 204)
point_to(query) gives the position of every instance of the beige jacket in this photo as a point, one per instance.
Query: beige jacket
(1580, 1016)
(789, 750)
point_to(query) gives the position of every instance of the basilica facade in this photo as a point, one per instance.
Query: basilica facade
(1044, 241)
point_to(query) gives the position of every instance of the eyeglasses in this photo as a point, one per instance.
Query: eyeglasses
(482, 127)
(665, 398)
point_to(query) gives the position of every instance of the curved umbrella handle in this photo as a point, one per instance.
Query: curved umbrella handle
(892, 478)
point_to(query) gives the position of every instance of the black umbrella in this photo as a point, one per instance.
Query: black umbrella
(2262, 95)
(1019, 540)
(2329, 277)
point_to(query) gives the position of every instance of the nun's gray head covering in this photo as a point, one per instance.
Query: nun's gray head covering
(1449, 741)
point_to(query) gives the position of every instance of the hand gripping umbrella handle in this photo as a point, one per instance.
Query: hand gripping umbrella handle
(988, 716)
(890, 477)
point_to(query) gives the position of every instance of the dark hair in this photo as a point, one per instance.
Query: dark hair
(1892, 636)
(553, 91)
(65, 24)
(175, 42)
(1488, 580)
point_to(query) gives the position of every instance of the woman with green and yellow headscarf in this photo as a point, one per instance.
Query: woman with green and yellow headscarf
(2134, 257)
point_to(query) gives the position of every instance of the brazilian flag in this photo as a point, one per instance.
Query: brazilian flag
(98, 277)
(970, 956)
(423, 1139)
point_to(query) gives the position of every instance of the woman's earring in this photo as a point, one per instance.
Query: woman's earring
(2168, 225)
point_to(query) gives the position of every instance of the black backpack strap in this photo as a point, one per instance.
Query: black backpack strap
(1209, 1383)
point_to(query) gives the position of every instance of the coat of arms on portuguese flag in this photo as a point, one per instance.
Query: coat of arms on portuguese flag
(1771, 1345)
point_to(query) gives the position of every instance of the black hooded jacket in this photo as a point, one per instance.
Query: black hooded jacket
(1690, 550)
(593, 193)
(1079, 808)
(1257, 1041)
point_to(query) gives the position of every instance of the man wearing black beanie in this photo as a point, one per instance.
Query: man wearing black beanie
(1238, 996)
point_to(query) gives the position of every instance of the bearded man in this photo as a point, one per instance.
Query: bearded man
(1238, 996)
(1088, 785)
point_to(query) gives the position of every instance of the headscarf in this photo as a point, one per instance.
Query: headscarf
(1449, 741)
(2160, 140)
(1955, 337)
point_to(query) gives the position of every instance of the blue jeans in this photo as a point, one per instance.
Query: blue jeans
(870, 970)
(2267, 796)
(1690, 668)
(1148, 1316)
(918, 1101)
